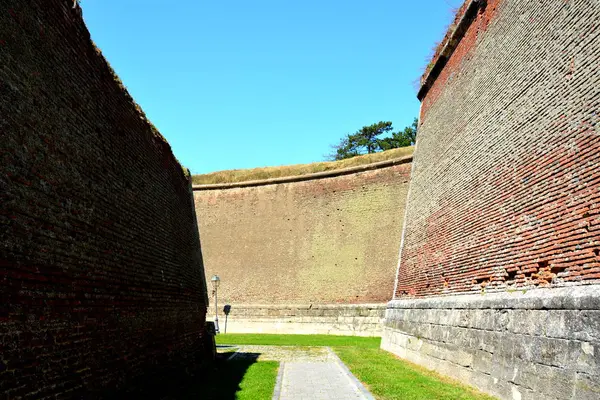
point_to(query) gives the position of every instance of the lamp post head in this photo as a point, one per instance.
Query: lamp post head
(215, 280)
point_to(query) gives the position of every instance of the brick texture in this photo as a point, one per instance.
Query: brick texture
(329, 240)
(505, 191)
(101, 277)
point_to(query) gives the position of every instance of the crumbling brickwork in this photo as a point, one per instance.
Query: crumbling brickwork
(500, 262)
(101, 277)
(505, 190)
(322, 240)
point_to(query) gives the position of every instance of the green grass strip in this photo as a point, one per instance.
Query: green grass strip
(259, 381)
(388, 377)
(298, 340)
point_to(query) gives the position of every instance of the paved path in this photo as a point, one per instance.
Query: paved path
(309, 373)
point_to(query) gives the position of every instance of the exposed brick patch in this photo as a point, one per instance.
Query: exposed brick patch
(100, 268)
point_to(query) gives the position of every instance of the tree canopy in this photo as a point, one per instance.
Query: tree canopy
(366, 140)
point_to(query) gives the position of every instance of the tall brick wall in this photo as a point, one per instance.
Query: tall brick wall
(500, 263)
(323, 240)
(506, 185)
(101, 276)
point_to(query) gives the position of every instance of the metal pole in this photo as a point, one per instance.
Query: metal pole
(216, 312)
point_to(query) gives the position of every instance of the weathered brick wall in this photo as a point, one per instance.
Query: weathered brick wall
(101, 277)
(500, 263)
(506, 184)
(327, 240)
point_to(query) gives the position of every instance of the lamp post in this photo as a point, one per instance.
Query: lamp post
(226, 311)
(215, 280)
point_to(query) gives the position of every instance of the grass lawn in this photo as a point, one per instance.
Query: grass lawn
(388, 377)
(258, 382)
(299, 340)
(385, 375)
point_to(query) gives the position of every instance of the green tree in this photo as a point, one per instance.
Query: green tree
(366, 140)
(362, 141)
(367, 136)
(407, 137)
(347, 148)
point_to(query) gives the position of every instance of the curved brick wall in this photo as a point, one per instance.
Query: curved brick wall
(500, 263)
(505, 190)
(328, 240)
(101, 279)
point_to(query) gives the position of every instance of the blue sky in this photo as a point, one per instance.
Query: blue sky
(241, 84)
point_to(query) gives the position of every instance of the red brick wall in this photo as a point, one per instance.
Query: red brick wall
(101, 277)
(505, 192)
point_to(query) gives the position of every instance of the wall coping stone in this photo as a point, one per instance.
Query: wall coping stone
(583, 297)
(307, 177)
(449, 47)
(312, 306)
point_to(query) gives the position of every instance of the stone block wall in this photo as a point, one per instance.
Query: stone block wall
(504, 201)
(101, 277)
(538, 344)
(325, 319)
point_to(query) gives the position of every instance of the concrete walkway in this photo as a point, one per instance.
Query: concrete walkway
(309, 373)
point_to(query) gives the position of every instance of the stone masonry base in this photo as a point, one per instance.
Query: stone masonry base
(329, 319)
(539, 344)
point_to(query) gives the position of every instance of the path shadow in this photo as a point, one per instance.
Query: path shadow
(220, 382)
(226, 346)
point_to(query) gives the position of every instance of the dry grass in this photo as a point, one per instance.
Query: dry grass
(456, 13)
(243, 175)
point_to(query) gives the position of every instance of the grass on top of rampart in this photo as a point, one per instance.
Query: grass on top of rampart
(244, 175)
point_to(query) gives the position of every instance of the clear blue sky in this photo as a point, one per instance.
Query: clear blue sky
(240, 84)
